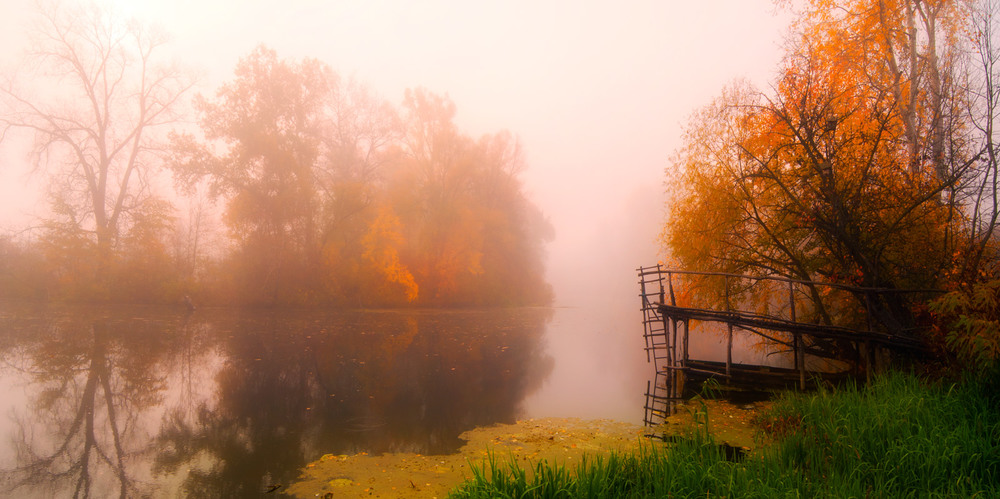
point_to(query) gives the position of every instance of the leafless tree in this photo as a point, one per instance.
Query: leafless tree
(981, 187)
(95, 98)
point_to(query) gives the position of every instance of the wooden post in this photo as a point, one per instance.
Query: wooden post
(682, 372)
(800, 351)
(673, 343)
(669, 384)
(666, 336)
(670, 285)
(795, 351)
(679, 380)
(869, 359)
(791, 316)
(659, 275)
(869, 355)
(800, 346)
(685, 358)
(729, 336)
(646, 408)
(729, 351)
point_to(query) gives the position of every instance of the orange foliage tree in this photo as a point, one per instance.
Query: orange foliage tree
(267, 123)
(330, 194)
(857, 168)
(475, 238)
(332, 197)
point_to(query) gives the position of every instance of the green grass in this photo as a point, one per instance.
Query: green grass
(899, 437)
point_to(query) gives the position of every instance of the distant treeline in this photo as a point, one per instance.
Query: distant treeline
(298, 188)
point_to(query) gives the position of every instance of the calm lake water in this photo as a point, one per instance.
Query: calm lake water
(138, 401)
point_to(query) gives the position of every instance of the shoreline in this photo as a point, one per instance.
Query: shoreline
(562, 441)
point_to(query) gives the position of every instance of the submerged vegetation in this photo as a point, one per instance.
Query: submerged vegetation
(898, 437)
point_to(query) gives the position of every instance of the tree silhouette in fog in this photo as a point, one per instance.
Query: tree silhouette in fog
(96, 100)
(334, 196)
(330, 194)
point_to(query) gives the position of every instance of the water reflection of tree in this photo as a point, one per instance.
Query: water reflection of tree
(250, 433)
(90, 380)
(293, 388)
(417, 382)
(232, 404)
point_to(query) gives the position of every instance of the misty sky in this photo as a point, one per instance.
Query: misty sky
(596, 91)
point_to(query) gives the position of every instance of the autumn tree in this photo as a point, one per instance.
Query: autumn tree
(361, 234)
(96, 99)
(850, 171)
(475, 238)
(435, 178)
(333, 196)
(266, 126)
(192, 240)
(23, 270)
(967, 323)
(144, 268)
(980, 194)
(515, 229)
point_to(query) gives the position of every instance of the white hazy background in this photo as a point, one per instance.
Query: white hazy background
(598, 93)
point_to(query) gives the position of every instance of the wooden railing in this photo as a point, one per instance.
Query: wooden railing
(667, 324)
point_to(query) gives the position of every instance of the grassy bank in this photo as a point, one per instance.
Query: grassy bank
(898, 437)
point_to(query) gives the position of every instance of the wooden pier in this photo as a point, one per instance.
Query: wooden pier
(667, 326)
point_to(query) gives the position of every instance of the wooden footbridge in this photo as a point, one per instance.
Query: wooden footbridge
(791, 320)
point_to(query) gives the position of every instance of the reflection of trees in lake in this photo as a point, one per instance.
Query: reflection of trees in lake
(420, 380)
(90, 380)
(130, 402)
(293, 388)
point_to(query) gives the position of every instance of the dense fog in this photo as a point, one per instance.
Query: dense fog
(590, 97)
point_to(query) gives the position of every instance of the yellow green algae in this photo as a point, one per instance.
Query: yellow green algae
(558, 440)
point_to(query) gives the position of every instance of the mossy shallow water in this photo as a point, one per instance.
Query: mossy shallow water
(728, 423)
(557, 440)
(562, 441)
